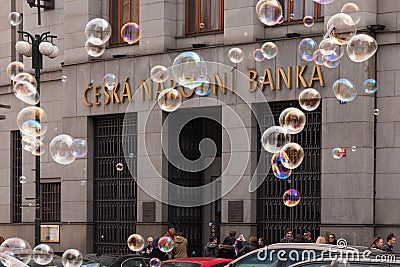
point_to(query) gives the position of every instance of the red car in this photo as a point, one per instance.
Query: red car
(196, 262)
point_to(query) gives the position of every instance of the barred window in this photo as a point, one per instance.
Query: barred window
(16, 172)
(121, 12)
(296, 10)
(204, 16)
(51, 202)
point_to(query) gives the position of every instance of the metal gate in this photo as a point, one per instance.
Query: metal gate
(114, 191)
(272, 216)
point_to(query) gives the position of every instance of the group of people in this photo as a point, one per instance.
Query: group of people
(306, 238)
(388, 247)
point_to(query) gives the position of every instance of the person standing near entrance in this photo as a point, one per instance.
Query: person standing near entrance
(391, 240)
(211, 249)
(288, 238)
(180, 247)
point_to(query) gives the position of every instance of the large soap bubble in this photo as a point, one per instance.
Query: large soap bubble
(110, 81)
(169, 100)
(274, 138)
(327, 46)
(342, 28)
(344, 90)
(32, 121)
(278, 169)
(295, 120)
(309, 99)
(61, 149)
(95, 47)
(15, 68)
(307, 48)
(130, 32)
(291, 198)
(189, 69)
(159, 74)
(17, 248)
(98, 28)
(43, 254)
(353, 10)
(270, 50)
(135, 242)
(15, 18)
(270, 12)
(361, 47)
(236, 55)
(292, 155)
(370, 86)
(72, 258)
(79, 148)
(166, 244)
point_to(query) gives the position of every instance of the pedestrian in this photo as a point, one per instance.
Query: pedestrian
(226, 250)
(171, 231)
(180, 247)
(288, 238)
(252, 245)
(211, 249)
(321, 240)
(298, 239)
(157, 253)
(332, 239)
(378, 243)
(149, 247)
(261, 242)
(307, 237)
(391, 241)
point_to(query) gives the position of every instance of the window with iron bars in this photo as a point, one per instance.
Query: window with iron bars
(16, 172)
(51, 202)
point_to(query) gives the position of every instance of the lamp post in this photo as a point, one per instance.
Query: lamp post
(37, 46)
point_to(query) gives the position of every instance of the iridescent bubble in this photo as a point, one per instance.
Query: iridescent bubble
(110, 81)
(353, 10)
(15, 68)
(344, 90)
(155, 262)
(342, 28)
(318, 57)
(23, 76)
(307, 48)
(235, 55)
(43, 254)
(376, 112)
(292, 155)
(270, 12)
(72, 258)
(370, 86)
(258, 55)
(130, 33)
(22, 179)
(331, 61)
(327, 46)
(201, 25)
(131, 155)
(283, 115)
(95, 47)
(337, 153)
(274, 138)
(39, 148)
(189, 69)
(309, 99)
(291, 198)
(166, 244)
(15, 18)
(159, 74)
(28, 143)
(295, 120)
(270, 50)
(98, 28)
(135, 242)
(79, 148)
(339, 262)
(64, 78)
(32, 121)
(17, 248)
(61, 149)
(361, 47)
(324, 2)
(353, 148)
(119, 167)
(261, 79)
(277, 167)
(169, 100)
(24, 89)
(204, 89)
(308, 21)
(83, 182)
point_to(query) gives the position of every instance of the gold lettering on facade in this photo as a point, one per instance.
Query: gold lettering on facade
(126, 92)
(172, 83)
(299, 76)
(159, 88)
(252, 75)
(184, 94)
(107, 95)
(85, 93)
(96, 95)
(317, 68)
(232, 87)
(114, 95)
(144, 88)
(219, 83)
(287, 79)
(269, 81)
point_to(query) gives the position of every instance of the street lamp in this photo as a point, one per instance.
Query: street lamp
(37, 46)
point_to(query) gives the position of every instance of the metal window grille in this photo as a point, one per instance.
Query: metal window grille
(272, 216)
(16, 172)
(51, 202)
(114, 191)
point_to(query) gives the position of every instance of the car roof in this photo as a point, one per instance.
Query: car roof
(199, 260)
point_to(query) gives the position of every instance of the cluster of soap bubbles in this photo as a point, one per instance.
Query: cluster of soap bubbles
(31, 121)
(268, 50)
(98, 32)
(136, 242)
(64, 149)
(24, 84)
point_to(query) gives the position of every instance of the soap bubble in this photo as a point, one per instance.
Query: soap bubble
(39, 148)
(201, 25)
(72, 258)
(95, 47)
(130, 33)
(324, 2)
(22, 179)
(61, 149)
(270, 12)
(261, 79)
(309, 99)
(376, 112)
(337, 153)
(344, 90)
(274, 138)
(353, 10)
(119, 167)
(291, 198)
(159, 74)
(283, 115)
(135, 242)
(32, 121)
(79, 148)
(342, 28)
(270, 50)
(28, 143)
(235, 55)
(295, 121)
(43, 254)
(308, 21)
(83, 182)
(327, 46)
(189, 69)
(331, 61)
(24, 89)
(166, 244)
(318, 57)
(307, 48)
(292, 155)
(258, 55)
(292, 16)
(204, 89)
(64, 78)
(169, 100)
(98, 28)
(15, 68)
(353, 148)
(370, 86)
(17, 248)
(361, 47)
(155, 262)
(110, 81)
(278, 169)
(15, 18)
(27, 77)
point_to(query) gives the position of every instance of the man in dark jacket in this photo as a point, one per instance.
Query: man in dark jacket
(226, 250)
(211, 249)
(288, 238)
(307, 237)
(252, 245)
(391, 240)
